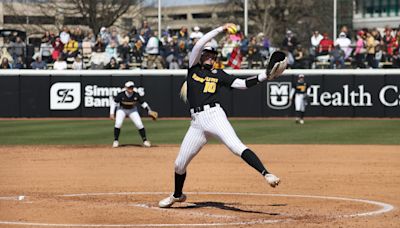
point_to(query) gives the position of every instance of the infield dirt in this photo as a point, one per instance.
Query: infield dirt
(45, 174)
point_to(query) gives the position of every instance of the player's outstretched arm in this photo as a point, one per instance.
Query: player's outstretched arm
(275, 68)
(196, 51)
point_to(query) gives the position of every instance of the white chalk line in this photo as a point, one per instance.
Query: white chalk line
(198, 214)
(384, 208)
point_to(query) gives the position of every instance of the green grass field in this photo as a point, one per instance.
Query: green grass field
(265, 131)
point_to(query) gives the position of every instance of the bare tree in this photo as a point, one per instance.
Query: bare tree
(274, 17)
(94, 13)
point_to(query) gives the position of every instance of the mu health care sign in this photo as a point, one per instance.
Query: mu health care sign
(278, 96)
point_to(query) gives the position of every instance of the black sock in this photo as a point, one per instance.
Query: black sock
(179, 181)
(251, 158)
(298, 114)
(116, 133)
(301, 115)
(142, 133)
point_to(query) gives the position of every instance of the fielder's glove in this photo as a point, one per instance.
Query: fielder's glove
(276, 65)
(153, 115)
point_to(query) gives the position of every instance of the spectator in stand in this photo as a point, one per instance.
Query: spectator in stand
(141, 36)
(124, 51)
(147, 32)
(17, 48)
(138, 52)
(300, 59)
(388, 44)
(5, 64)
(87, 47)
(325, 46)
(112, 50)
(244, 45)
(345, 30)
(79, 35)
(174, 65)
(46, 49)
(290, 41)
(19, 64)
(71, 48)
(376, 34)
(6, 55)
(104, 35)
(114, 36)
(370, 46)
(171, 53)
(38, 64)
(60, 64)
(227, 47)
(78, 64)
(152, 49)
(46, 36)
(315, 40)
(254, 55)
(98, 59)
(58, 48)
(65, 35)
(345, 44)
(359, 52)
(182, 34)
(182, 54)
(100, 45)
(337, 57)
(112, 65)
(196, 34)
(52, 37)
(264, 44)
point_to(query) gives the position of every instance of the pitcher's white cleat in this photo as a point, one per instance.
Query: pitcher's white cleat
(146, 144)
(167, 202)
(272, 179)
(115, 144)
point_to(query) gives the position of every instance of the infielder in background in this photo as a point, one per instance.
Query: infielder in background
(299, 91)
(126, 105)
(202, 91)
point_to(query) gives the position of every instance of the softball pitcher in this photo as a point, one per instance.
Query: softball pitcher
(299, 92)
(126, 105)
(202, 91)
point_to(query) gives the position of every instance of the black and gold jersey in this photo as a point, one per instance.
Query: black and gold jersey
(300, 87)
(128, 102)
(203, 85)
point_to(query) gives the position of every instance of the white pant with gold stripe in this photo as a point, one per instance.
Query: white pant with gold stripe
(205, 124)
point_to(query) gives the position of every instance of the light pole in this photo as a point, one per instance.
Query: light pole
(334, 19)
(159, 19)
(246, 17)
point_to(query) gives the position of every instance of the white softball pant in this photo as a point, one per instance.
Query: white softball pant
(210, 122)
(133, 115)
(299, 102)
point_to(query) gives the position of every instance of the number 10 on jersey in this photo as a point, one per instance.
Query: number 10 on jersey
(210, 87)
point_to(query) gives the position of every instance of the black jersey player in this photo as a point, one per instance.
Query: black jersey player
(299, 92)
(202, 90)
(125, 104)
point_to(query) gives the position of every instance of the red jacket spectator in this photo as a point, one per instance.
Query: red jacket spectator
(389, 43)
(58, 48)
(325, 46)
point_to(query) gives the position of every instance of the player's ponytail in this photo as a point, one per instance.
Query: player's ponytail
(183, 92)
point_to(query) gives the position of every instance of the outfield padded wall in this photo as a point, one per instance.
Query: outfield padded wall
(334, 93)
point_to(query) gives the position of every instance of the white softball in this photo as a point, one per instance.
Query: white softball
(21, 197)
